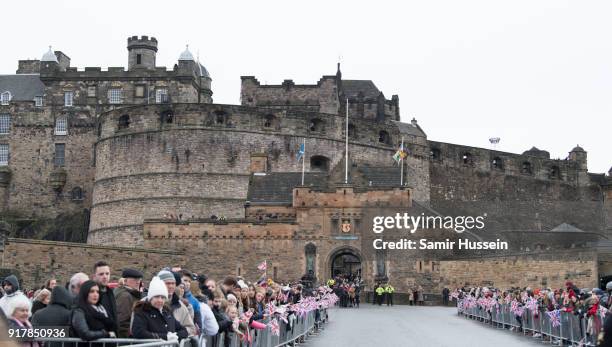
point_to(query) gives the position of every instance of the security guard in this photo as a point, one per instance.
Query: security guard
(379, 294)
(389, 293)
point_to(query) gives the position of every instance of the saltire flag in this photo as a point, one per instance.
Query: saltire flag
(400, 154)
(262, 281)
(263, 266)
(301, 151)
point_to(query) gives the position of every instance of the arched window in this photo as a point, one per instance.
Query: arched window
(315, 125)
(526, 168)
(554, 173)
(352, 131)
(383, 137)
(124, 122)
(497, 163)
(269, 121)
(466, 158)
(61, 125)
(319, 163)
(167, 117)
(435, 154)
(77, 193)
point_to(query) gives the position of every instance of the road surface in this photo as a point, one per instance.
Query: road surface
(400, 325)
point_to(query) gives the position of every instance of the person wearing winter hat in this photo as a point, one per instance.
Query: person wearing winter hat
(126, 296)
(18, 311)
(178, 309)
(153, 319)
(11, 289)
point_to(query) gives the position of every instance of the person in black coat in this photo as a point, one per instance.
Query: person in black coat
(153, 319)
(90, 320)
(57, 313)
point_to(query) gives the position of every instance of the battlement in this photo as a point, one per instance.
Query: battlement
(142, 42)
(348, 197)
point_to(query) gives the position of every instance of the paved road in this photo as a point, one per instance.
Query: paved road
(382, 326)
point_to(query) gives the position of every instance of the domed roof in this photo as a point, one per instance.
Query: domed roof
(49, 56)
(578, 149)
(186, 55)
(203, 71)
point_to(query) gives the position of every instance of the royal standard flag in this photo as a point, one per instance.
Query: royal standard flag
(400, 154)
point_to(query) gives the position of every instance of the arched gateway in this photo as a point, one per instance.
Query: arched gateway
(345, 261)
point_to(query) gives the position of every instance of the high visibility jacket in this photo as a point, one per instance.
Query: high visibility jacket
(389, 289)
(380, 290)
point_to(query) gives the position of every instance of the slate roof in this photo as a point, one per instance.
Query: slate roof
(564, 227)
(380, 176)
(352, 88)
(410, 129)
(23, 87)
(277, 187)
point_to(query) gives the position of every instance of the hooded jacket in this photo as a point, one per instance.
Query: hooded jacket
(56, 314)
(5, 300)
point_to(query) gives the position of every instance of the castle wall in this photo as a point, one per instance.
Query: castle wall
(511, 199)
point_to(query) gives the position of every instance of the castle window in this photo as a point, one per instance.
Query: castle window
(319, 163)
(77, 193)
(435, 154)
(497, 163)
(383, 137)
(219, 117)
(60, 154)
(5, 124)
(161, 96)
(91, 91)
(466, 158)
(61, 125)
(554, 173)
(4, 154)
(115, 96)
(139, 59)
(352, 131)
(526, 168)
(124, 122)
(38, 101)
(269, 121)
(315, 125)
(167, 117)
(68, 96)
(5, 98)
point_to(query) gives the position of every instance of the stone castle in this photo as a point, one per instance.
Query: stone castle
(142, 160)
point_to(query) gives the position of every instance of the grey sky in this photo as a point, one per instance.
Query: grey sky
(535, 73)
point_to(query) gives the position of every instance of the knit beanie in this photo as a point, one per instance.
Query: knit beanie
(166, 276)
(157, 287)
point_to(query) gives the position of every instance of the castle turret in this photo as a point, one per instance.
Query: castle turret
(141, 52)
(579, 155)
(49, 63)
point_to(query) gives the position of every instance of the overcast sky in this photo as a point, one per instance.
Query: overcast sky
(535, 73)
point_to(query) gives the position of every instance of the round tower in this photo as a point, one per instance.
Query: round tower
(141, 52)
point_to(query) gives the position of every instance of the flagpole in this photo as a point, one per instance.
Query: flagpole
(347, 136)
(303, 161)
(402, 164)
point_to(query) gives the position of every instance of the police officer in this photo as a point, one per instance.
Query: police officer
(389, 293)
(379, 294)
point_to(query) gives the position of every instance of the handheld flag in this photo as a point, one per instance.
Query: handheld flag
(263, 266)
(300, 153)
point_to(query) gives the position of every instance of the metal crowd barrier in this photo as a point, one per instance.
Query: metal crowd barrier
(74, 341)
(573, 329)
(297, 330)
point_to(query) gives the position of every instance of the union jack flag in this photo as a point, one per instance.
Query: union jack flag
(274, 328)
(555, 317)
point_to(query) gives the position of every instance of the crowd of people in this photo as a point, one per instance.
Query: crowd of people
(592, 305)
(175, 305)
(348, 289)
